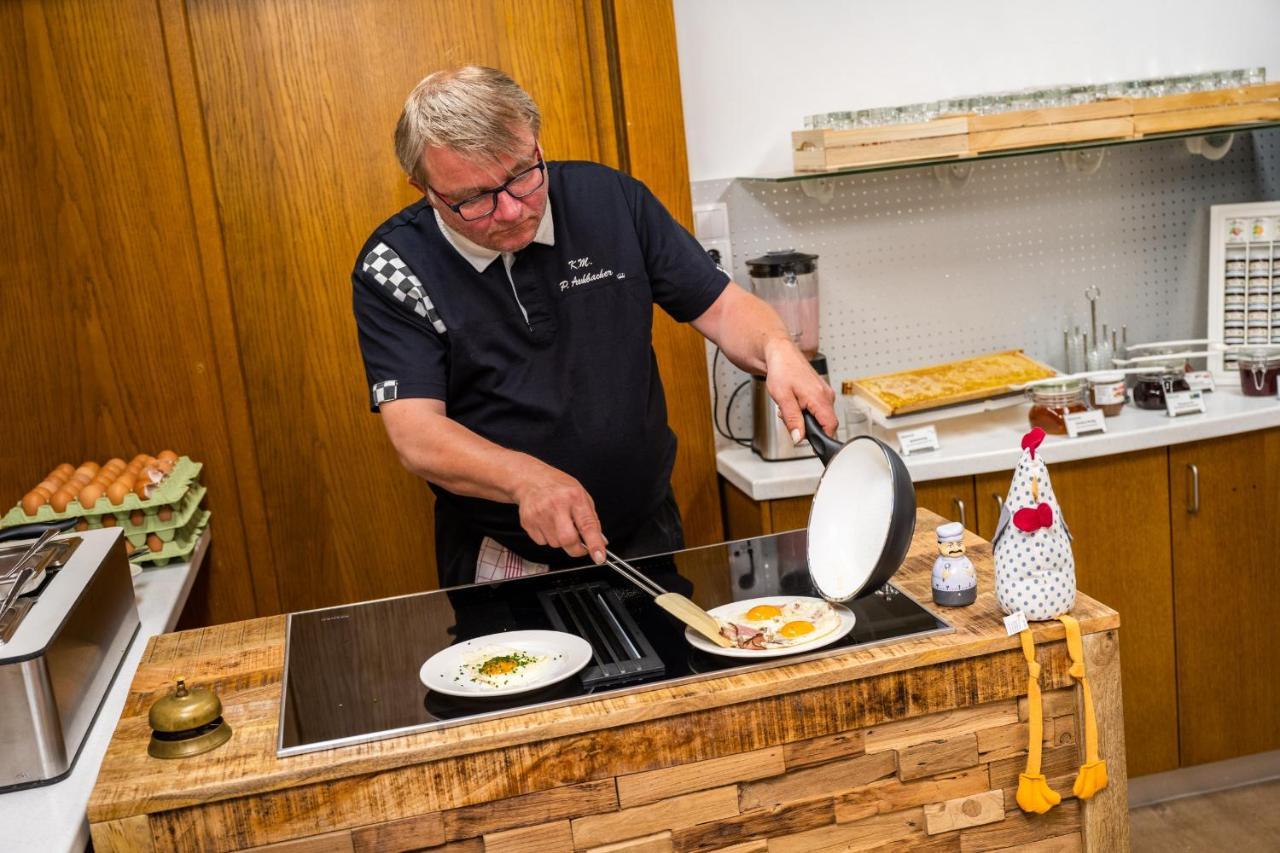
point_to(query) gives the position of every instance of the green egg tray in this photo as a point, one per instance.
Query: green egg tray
(166, 530)
(168, 492)
(178, 548)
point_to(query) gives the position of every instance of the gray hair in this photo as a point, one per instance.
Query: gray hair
(473, 110)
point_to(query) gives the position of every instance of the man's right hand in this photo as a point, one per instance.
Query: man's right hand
(556, 510)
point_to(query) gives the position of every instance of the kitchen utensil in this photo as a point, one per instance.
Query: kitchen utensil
(22, 570)
(769, 436)
(788, 281)
(562, 654)
(672, 602)
(862, 518)
(186, 722)
(736, 608)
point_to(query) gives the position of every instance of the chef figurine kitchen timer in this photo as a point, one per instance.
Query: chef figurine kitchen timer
(955, 583)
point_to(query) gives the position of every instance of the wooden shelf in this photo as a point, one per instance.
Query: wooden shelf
(970, 138)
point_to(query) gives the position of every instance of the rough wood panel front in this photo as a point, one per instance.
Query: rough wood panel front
(809, 756)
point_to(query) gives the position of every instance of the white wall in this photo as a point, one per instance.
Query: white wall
(750, 70)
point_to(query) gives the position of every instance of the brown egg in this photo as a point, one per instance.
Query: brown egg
(142, 488)
(90, 468)
(61, 499)
(114, 462)
(50, 485)
(63, 471)
(117, 490)
(154, 543)
(44, 491)
(82, 525)
(89, 495)
(80, 478)
(32, 501)
(167, 454)
(165, 466)
(137, 517)
(128, 547)
(109, 521)
(139, 459)
(165, 513)
(151, 475)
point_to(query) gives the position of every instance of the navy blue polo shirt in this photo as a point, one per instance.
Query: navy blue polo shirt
(556, 361)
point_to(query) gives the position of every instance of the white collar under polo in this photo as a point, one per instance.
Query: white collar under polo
(480, 257)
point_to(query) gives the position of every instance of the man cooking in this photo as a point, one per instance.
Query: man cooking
(505, 323)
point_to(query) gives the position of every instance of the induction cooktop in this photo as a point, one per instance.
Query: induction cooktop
(351, 672)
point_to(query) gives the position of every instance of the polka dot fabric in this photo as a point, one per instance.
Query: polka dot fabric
(1035, 572)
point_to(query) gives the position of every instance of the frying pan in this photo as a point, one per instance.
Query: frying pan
(863, 515)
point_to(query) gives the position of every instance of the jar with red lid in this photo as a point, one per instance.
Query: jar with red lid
(1052, 401)
(1259, 370)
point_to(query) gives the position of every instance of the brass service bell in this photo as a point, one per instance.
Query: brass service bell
(187, 722)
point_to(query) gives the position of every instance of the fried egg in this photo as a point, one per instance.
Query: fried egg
(788, 624)
(500, 667)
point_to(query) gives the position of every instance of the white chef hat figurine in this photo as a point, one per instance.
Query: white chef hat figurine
(955, 583)
(1035, 575)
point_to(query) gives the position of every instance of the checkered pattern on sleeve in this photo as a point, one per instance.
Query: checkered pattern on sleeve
(397, 279)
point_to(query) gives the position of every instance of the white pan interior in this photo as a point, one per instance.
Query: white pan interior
(850, 518)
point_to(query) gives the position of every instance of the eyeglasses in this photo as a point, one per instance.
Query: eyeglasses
(483, 204)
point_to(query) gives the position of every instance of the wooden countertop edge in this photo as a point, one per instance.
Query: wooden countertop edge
(587, 717)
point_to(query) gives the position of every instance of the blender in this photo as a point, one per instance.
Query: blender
(788, 281)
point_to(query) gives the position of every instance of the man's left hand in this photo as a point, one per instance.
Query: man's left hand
(795, 386)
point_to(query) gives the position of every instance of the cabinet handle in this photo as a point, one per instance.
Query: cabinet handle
(959, 510)
(999, 504)
(1195, 489)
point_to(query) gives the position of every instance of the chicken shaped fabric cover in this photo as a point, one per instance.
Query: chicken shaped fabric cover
(1035, 571)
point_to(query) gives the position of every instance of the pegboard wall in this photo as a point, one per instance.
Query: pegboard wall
(912, 271)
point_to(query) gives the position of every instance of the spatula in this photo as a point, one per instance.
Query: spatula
(673, 602)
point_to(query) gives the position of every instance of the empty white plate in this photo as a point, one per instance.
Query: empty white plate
(455, 671)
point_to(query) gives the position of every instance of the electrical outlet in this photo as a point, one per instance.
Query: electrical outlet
(711, 228)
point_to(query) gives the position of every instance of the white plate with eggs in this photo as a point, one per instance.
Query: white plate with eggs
(791, 624)
(505, 664)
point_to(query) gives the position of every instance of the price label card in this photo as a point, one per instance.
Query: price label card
(918, 440)
(1079, 423)
(1015, 623)
(1201, 380)
(1183, 402)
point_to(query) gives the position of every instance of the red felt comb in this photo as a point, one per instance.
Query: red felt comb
(1031, 518)
(1032, 440)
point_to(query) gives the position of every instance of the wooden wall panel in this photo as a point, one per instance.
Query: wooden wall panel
(106, 332)
(655, 153)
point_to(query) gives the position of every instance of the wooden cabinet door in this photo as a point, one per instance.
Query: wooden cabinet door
(1117, 510)
(1226, 596)
(989, 491)
(951, 498)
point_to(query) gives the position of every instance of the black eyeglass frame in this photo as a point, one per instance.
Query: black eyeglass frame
(540, 166)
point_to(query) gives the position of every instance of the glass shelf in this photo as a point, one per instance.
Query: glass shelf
(792, 177)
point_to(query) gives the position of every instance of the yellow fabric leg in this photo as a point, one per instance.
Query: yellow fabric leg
(1092, 777)
(1034, 793)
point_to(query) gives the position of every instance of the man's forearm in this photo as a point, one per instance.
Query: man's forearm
(745, 328)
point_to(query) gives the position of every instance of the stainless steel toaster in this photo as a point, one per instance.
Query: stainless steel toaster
(61, 642)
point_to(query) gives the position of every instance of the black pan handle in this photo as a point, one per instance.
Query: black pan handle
(28, 531)
(825, 446)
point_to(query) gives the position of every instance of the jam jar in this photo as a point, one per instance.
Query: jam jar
(1052, 401)
(1259, 370)
(1150, 388)
(1107, 392)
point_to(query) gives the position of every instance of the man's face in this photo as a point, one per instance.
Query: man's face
(454, 177)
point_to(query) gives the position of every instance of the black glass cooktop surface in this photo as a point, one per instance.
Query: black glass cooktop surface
(351, 672)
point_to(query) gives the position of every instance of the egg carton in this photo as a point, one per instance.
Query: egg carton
(176, 549)
(169, 491)
(152, 523)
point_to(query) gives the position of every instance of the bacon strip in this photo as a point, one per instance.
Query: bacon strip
(743, 636)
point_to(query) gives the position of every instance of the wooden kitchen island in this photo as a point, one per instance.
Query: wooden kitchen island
(911, 746)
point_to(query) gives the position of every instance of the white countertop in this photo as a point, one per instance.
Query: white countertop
(51, 819)
(978, 444)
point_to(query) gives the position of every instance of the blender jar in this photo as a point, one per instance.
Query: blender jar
(788, 281)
